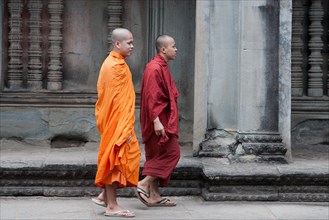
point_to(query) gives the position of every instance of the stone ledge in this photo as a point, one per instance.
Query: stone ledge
(231, 183)
(48, 98)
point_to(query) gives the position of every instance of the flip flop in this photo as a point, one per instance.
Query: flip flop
(163, 202)
(120, 213)
(140, 191)
(99, 202)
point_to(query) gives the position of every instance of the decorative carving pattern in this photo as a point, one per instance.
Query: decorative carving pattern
(258, 144)
(35, 65)
(258, 138)
(15, 78)
(326, 37)
(238, 197)
(296, 50)
(156, 25)
(315, 74)
(55, 74)
(304, 197)
(114, 9)
(258, 149)
(304, 189)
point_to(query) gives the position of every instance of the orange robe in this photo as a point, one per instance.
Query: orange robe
(118, 161)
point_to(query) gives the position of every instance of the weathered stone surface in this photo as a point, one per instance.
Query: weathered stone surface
(71, 172)
(217, 143)
(45, 123)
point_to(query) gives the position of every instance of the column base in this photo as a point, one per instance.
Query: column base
(15, 84)
(243, 147)
(259, 147)
(217, 143)
(34, 85)
(297, 91)
(315, 92)
(53, 86)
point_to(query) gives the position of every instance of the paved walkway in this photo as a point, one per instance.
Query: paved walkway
(187, 208)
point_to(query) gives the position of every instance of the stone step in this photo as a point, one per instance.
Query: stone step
(74, 180)
(39, 170)
(69, 180)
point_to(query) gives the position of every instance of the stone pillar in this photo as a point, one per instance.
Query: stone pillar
(258, 137)
(15, 67)
(285, 60)
(55, 74)
(1, 46)
(35, 66)
(315, 75)
(156, 8)
(114, 10)
(222, 84)
(201, 69)
(296, 49)
(328, 72)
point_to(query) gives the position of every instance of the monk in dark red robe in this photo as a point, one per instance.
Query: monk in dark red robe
(159, 124)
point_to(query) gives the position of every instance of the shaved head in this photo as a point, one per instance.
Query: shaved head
(162, 41)
(122, 41)
(120, 34)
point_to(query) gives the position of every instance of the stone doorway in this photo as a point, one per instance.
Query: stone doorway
(149, 18)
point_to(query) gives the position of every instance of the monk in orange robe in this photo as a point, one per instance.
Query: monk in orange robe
(119, 152)
(159, 124)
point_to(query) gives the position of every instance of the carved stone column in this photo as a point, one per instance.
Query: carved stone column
(35, 65)
(296, 50)
(326, 36)
(315, 74)
(156, 8)
(114, 9)
(258, 137)
(15, 78)
(55, 74)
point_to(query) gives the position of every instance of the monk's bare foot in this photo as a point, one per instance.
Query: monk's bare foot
(101, 196)
(97, 201)
(118, 211)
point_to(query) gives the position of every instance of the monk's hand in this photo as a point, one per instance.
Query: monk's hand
(129, 139)
(158, 127)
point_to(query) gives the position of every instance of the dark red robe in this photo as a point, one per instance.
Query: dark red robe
(159, 99)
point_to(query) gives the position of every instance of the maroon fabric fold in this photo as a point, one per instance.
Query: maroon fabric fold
(161, 160)
(158, 98)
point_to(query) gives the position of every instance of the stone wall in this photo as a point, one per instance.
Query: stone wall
(70, 42)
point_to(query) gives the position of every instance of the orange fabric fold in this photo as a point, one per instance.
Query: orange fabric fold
(118, 161)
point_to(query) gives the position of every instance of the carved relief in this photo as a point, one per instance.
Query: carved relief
(55, 74)
(155, 24)
(315, 73)
(296, 50)
(35, 65)
(260, 144)
(15, 79)
(114, 9)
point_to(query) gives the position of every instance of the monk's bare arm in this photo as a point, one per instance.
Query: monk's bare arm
(158, 127)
